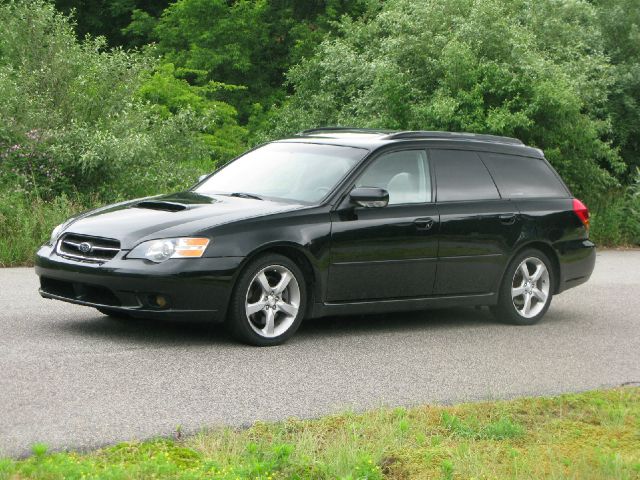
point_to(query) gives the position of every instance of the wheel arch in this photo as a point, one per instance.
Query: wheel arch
(549, 251)
(296, 253)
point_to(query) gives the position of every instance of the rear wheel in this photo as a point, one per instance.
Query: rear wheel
(526, 289)
(268, 302)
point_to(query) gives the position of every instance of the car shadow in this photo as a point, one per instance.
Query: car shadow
(451, 318)
(185, 332)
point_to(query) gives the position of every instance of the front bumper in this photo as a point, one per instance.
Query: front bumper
(192, 288)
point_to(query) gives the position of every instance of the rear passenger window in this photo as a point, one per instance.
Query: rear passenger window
(523, 177)
(461, 175)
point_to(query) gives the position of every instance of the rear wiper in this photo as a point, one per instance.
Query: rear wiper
(245, 195)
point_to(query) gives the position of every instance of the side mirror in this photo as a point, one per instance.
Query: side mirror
(369, 197)
(202, 177)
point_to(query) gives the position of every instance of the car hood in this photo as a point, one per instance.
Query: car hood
(173, 215)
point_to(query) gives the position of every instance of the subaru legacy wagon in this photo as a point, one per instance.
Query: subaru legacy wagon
(334, 221)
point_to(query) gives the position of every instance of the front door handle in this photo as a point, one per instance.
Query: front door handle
(423, 223)
(508, 218)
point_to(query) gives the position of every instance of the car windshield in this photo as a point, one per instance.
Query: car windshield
(300, 172)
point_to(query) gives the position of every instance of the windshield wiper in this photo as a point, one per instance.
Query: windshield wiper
(245, 195)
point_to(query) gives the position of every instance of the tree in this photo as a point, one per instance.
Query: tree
(530, 69)
(249, 43)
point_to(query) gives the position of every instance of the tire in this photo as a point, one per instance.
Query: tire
(265, 314)
(114, 313)
(515, 288)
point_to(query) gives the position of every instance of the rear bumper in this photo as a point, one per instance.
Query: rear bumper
(577, 261)
(191, 288)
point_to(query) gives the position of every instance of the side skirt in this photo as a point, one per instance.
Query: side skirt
(403, 305)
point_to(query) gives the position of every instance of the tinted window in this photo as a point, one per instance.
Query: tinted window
(522, 177)
(461, 175)
(405, 175)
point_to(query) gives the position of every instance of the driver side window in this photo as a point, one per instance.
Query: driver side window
(404, 174)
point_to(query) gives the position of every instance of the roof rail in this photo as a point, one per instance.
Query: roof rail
(450, 135)
(343, 129)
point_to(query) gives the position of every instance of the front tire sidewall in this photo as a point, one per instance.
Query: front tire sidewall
(237, 321)
(505, 311)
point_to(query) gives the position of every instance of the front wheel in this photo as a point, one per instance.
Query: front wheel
(268, 302)
(526, 289)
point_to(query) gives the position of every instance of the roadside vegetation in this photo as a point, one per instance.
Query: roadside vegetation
(593, 435)
(113, 99)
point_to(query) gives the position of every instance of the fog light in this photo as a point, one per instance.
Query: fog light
(157, 301)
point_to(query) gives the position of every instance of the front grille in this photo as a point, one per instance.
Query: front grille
(87, 248)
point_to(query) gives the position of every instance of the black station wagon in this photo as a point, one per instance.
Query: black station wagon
(334, 221)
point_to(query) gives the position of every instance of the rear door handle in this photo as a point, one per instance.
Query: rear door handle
(423, 223)
(508, 218)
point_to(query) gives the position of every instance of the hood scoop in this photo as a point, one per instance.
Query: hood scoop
(161, 205)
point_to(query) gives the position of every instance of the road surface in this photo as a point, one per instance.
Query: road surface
(73, 378)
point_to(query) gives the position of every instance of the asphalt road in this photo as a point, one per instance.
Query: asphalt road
(73, 378)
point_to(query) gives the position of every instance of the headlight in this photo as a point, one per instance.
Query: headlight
(160, 250)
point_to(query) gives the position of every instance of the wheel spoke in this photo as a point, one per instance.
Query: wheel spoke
(538, 273)
(540, 295)
(264, 283)
(525, 271)
(270, 316)
(517, 291)
(282, 284)
(288, 308)
(527, 304)
(255, 307)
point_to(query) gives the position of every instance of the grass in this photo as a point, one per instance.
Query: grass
(593, 435)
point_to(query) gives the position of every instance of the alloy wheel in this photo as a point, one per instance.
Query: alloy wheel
(272, 301)
(530, 287)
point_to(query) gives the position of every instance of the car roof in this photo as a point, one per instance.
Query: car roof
(372, 139)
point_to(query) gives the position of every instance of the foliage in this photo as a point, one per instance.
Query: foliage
(536, 72)
(218, 120)
(620, 25)
(74, 121)
(246, 42)
(588, 436)
(615, 217)
(26, 223)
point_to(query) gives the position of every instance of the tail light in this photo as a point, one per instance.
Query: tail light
(582, 212)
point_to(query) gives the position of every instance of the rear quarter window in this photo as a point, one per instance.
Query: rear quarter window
(461, 176)
(523, 177)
